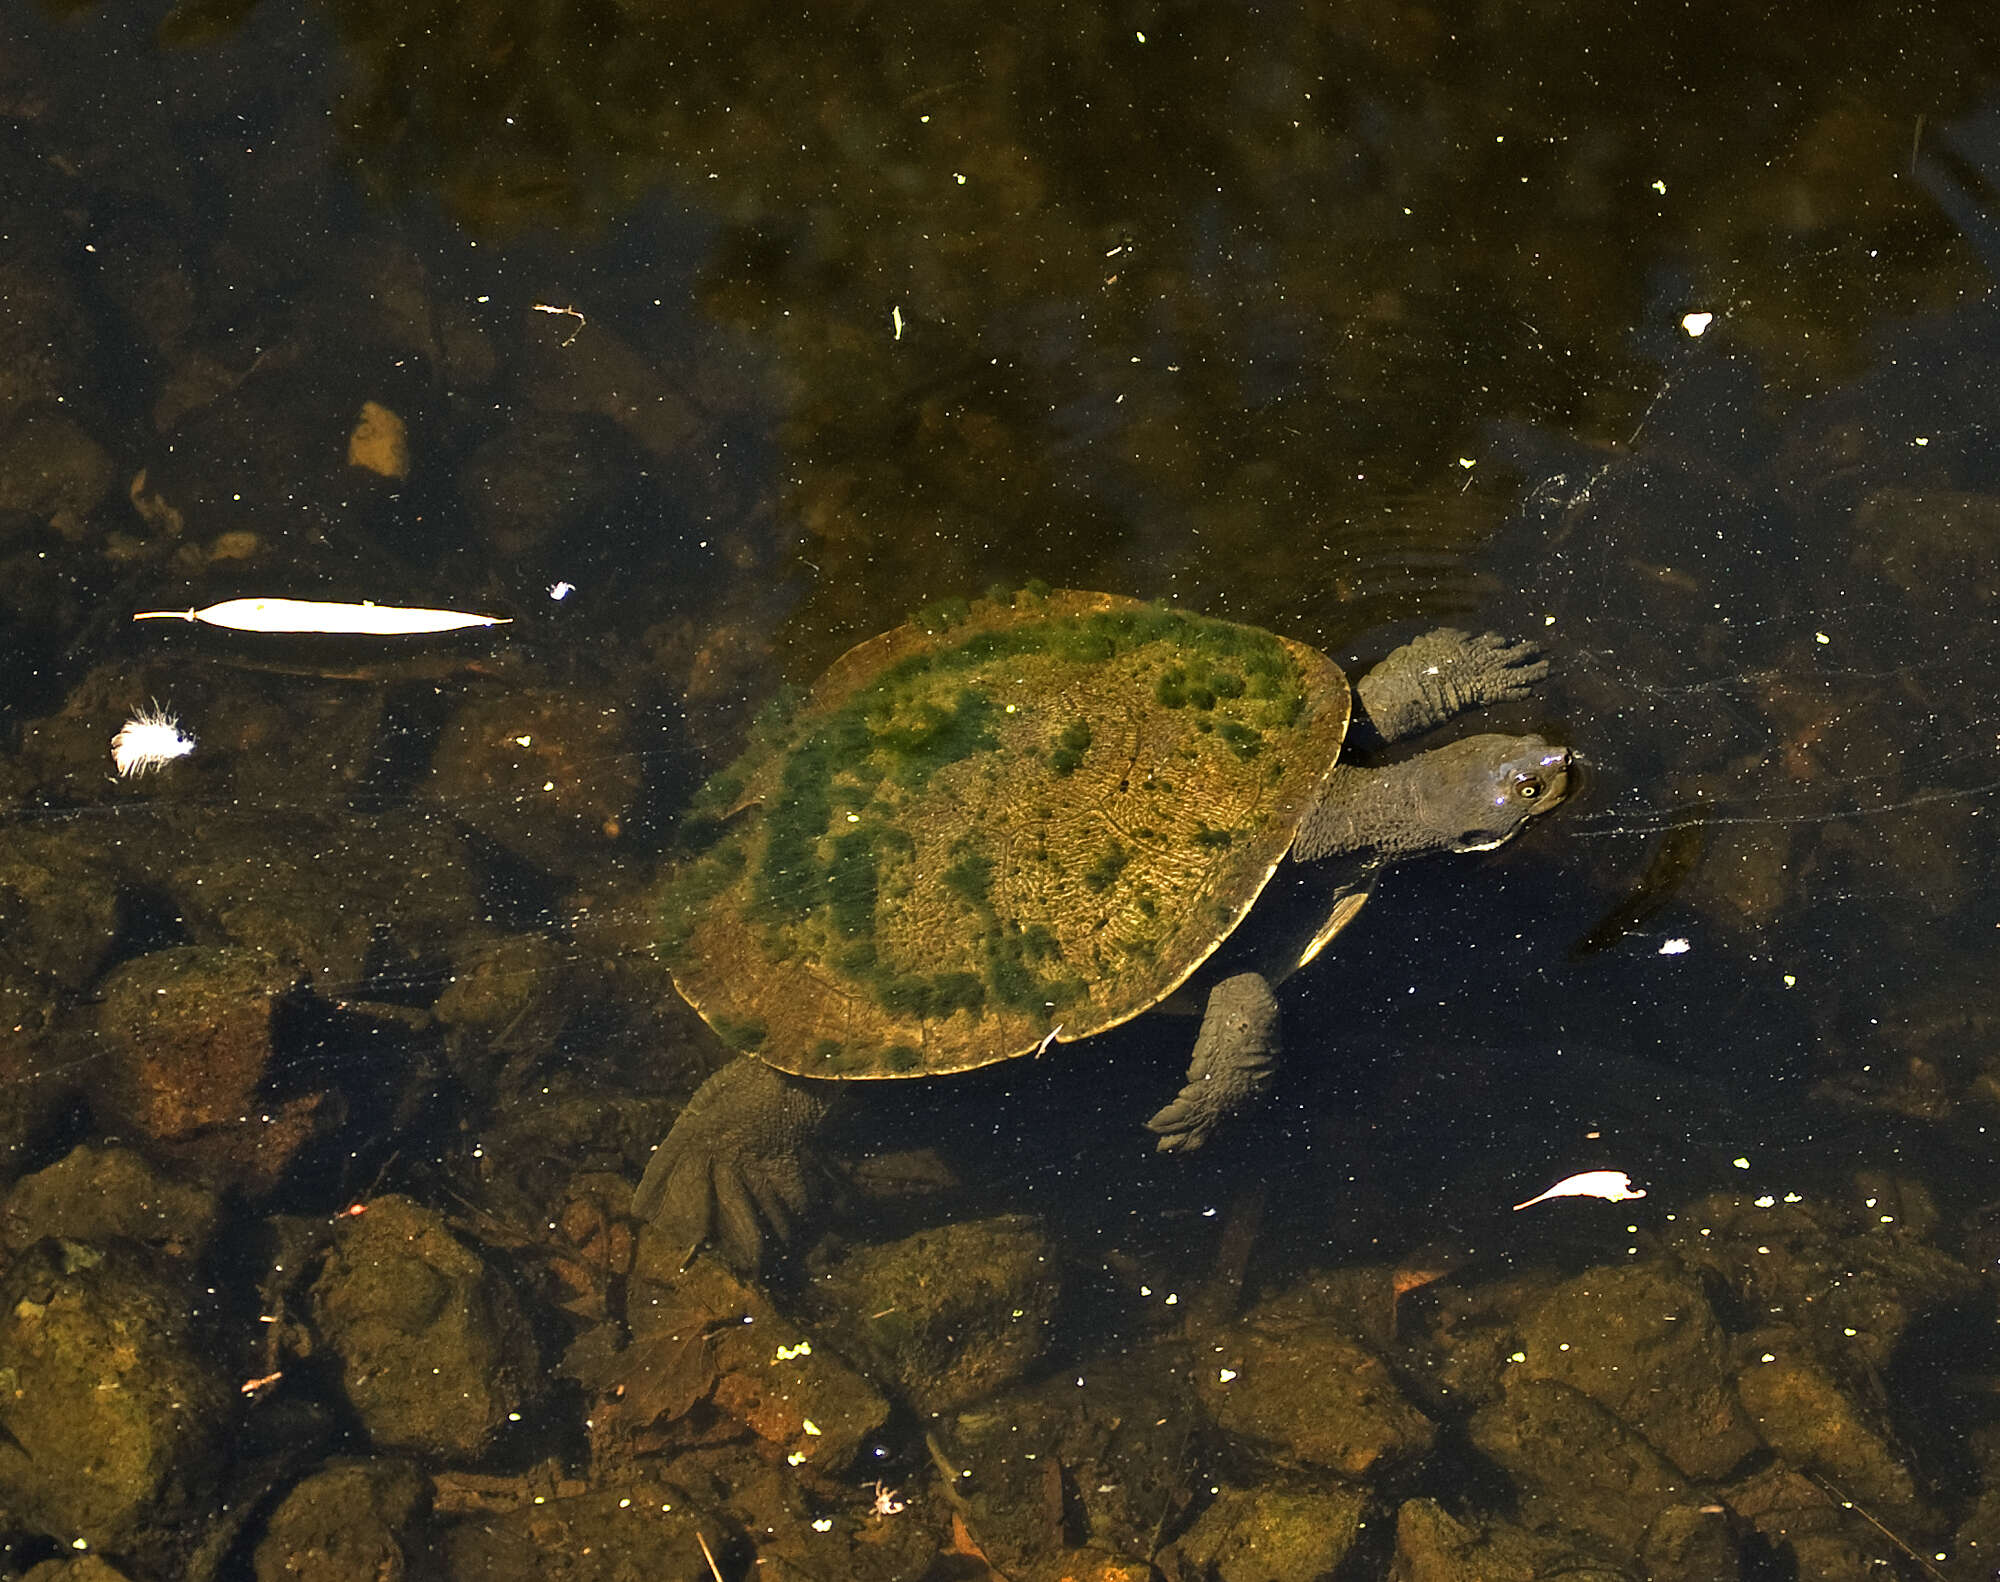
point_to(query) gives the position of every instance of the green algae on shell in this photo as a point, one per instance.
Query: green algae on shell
(1007, 819)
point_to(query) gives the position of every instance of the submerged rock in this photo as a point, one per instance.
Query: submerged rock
(351, 1519)
(1643, 1342)
(705, 1344)
(99, 1194)
(1101, 1456)
(62, 906)
(1692, 1543)
(77, 1568)
(1806, 1417)
(435, 1354)
(186, 1036)
(113, 1409)
(544, 774)
(1306, 1394)
(948, 1315)
(1272, 1535)
(1432, 1545)
(1853, 1270)
(1813, 1534)
(52, 471)
(1575, 1464)
(646, 1529)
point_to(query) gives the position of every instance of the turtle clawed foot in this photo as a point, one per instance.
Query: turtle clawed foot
(738, 1169)
(1184, 1125)
(1234, 1060)
(1487, 668)
(1438, 675)
(740, 1207)
(1502, 668)
(1191, 1119)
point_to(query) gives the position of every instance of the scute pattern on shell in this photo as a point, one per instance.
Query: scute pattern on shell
(1039, 815)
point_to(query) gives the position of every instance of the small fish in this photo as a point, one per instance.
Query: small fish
(151, 738)
(1614, 1186)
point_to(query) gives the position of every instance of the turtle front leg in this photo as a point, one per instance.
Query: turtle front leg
(739, 1162)
(1438, 675)
(1234, 1057)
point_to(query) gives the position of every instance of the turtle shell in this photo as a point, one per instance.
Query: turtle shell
(1024, 819)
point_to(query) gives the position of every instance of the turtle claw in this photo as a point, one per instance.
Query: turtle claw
(1440, 674)
(1191, 1119)
(738, 1228)
(1231, 1066)
(738, 1168)
(1497, 669)
(1182, 1126)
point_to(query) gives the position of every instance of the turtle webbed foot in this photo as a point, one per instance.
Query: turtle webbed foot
(1231, 1068)
(1490, 668)
(738, 1165)
(1441, 674)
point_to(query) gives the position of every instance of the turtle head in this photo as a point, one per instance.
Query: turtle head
(1471, 795)
(1477, 793)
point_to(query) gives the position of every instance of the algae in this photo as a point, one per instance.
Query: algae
(825, 868)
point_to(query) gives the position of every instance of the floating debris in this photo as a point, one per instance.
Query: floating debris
(314, 615)
(562, 312)
(1614, 1186)
(150, 738)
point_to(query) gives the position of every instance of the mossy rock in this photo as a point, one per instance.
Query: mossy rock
(1031, 820)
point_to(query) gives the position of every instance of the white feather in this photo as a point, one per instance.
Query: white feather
(150, 738)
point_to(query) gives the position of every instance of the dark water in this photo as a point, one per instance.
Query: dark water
(748, 331)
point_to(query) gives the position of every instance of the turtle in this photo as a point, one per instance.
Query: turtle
(1018, 822)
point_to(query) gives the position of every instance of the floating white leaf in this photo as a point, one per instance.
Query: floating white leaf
(1614, 1186)
(314, 615)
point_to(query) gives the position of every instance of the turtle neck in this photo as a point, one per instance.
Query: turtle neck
(1368, 812)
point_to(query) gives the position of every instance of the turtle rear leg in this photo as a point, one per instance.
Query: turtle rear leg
(1234, 1058)
(1438, 675)
(739, 1163)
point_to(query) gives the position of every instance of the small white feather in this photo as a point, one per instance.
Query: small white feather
(150, 738)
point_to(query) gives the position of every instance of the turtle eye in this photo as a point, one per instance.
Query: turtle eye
(1527, 788)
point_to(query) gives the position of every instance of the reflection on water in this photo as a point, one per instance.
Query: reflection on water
(707, 343)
